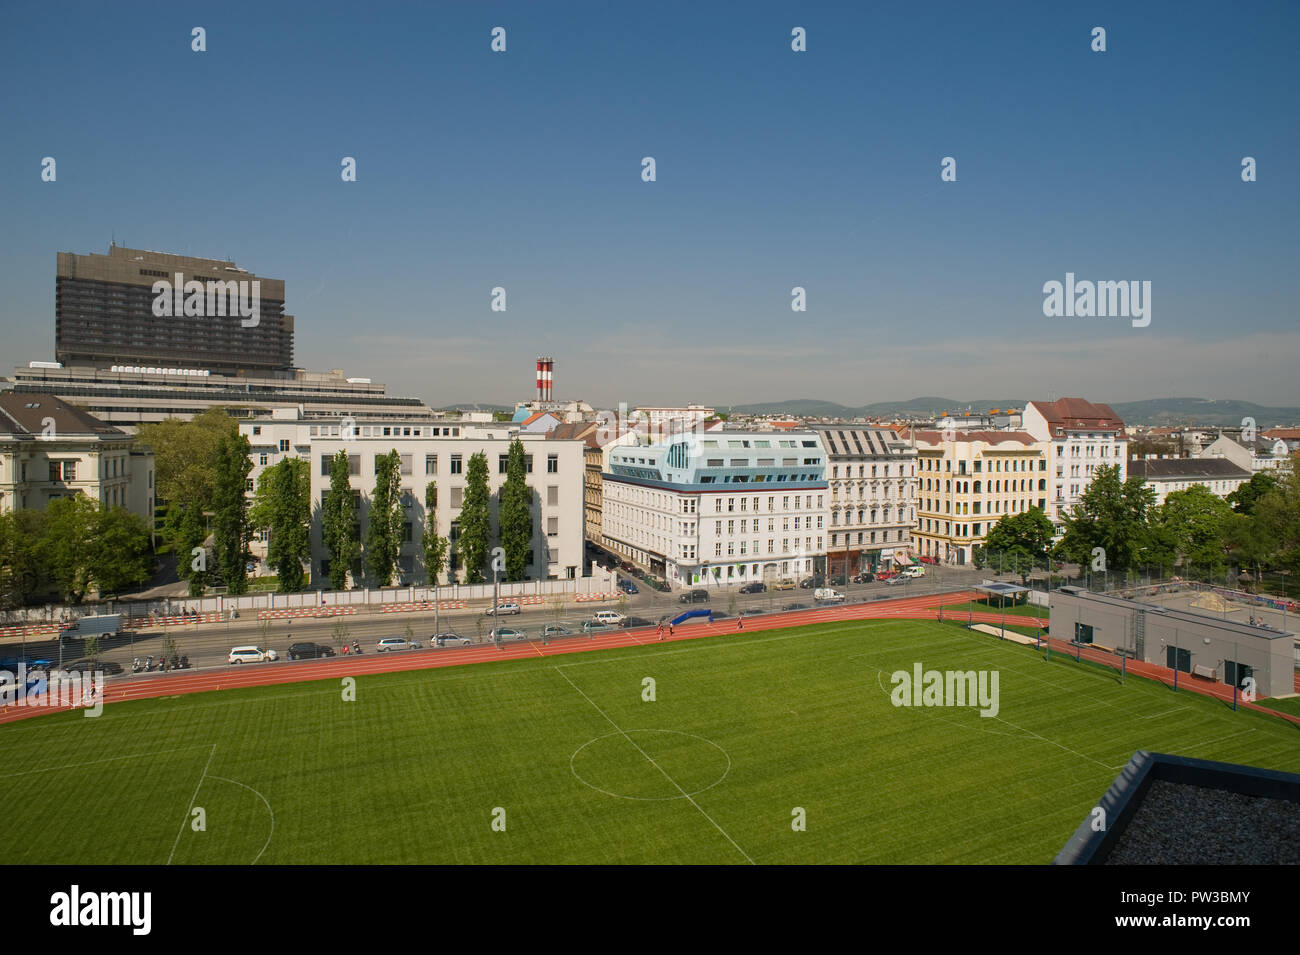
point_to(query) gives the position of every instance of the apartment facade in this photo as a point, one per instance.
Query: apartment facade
(1261, 454)
(50, 449)
(969, 482)
(433, 453)
(719, 508)
(873, 497)
(1167, 475)
(1079, 438)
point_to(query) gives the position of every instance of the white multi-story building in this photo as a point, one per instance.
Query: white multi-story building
(873, 495)
(1166, 475)
(50, 449)
(662, 419)
(433, 453)
(1260, 454)
(719, 508)
(969, 480)
(1079, 437)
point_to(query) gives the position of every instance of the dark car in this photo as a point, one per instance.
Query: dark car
(627, 587)
(795, 606)
(694, 597)
(309, 651)
(808, 583)
(754, 588)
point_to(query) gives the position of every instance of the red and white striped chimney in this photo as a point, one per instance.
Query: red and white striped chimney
(545, 370)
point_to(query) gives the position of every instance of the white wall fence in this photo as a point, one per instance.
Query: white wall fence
(601, 581)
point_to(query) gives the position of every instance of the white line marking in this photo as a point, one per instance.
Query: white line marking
(268, 809)
(191, 805)
(111, 759)
(688, 796)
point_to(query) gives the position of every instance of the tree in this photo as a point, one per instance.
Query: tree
(1021, 539)
(338, 522)
(282, 507)
(1278, 517)
(515, 514)
(122, 555)
(186, 452)
(383, 535)
(1194, 525)
(23, 569)
(230, 526)
(435, 547)
(1244, 498)
(1111, 515)
(475, 520)
(185, 528)
(70, 544)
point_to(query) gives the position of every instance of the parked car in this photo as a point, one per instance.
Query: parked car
(451, 640)
(556, 630)
(785, 583)
(595, 626)
(886, 575)
(503, 609)
(694, 597)
(863, 578)
(916, 570)
(252, 655)
(610, 618)
(309, 651)
(753, 588)
(627, 587)
(827, 595)
(808, 583)
(895, 580)
(395, 643)
(507, 633)
(795, 606)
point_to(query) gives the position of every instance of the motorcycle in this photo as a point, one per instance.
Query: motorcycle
(136, 665)
(356, 647)
(148, 664)
(184, 663)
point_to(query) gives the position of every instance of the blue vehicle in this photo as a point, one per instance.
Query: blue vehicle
(627, 587)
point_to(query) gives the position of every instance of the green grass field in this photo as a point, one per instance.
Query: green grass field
(751, 726)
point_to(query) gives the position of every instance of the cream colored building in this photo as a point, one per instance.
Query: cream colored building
(970, 482)
(50, 449)
(437, 452)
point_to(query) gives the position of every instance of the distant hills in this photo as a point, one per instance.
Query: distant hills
(1161, 412)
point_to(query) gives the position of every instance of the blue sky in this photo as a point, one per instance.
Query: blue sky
(775, 169)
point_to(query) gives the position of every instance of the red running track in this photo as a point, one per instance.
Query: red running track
(235, 677)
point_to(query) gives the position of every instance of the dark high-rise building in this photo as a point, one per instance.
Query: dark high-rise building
(109, 311)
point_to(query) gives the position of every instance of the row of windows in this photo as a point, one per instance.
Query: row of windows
(995, 464)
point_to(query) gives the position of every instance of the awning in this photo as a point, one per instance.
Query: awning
(902, 559)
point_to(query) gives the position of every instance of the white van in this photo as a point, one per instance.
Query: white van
(610, 618)
(252, 655)
(916, 570)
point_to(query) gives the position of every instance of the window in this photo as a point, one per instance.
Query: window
(552, 464)
(717, 549)
(456, 465)
(457, 493)
(503, 463)
(553, 495)
(261, 459)
(552, 527)
(406, 532)
(406, 464)
(284, 444)
(430, 464)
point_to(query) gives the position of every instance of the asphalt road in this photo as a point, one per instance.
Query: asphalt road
(208, 644)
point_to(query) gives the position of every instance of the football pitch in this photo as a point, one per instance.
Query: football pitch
(780, 746)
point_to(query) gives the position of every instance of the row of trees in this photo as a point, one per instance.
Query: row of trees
(385, 530)
(1255, 529)
(201, 472)
(75, 545)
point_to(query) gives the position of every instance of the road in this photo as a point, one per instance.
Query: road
(208, 644)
